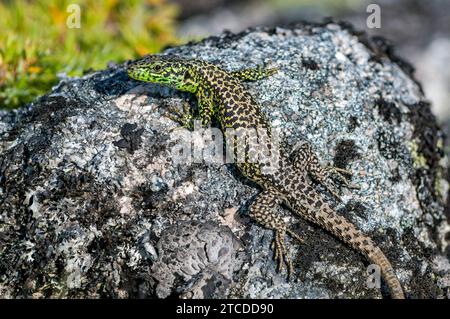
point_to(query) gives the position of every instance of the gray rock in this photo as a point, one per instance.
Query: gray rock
(92, 204)
(202, 253)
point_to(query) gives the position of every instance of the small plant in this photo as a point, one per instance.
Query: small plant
(36, 44)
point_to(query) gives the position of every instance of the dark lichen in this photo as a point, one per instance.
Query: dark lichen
(389, 145)
(144, 197)
(427, 134)
(131, 138)
(389, 111)
(352, 208)
(345, 152)
(310, 64)
(395, 175)
(352, 124)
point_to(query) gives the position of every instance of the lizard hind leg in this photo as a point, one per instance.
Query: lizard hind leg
(263, 211)
(306, 159)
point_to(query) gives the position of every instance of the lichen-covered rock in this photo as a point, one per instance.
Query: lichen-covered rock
(93, 205)
(202, 253)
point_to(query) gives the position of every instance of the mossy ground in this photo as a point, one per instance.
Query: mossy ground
(37, 41)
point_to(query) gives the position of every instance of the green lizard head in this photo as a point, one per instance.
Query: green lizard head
(168, 70)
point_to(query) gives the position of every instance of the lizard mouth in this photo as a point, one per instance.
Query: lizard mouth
(134, 73)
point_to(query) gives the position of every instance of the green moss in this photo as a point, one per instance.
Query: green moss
(36, 43)
(419, 160)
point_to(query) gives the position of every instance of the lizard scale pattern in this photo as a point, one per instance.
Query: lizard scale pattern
(220, 94)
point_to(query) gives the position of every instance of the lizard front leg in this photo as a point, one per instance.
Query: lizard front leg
(263, 211)
(186, 117)
(254, 74)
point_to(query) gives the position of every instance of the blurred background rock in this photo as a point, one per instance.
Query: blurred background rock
(419, 29)
(37, 45)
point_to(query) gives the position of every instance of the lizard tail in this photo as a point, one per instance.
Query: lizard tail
(339, 226)
(377, 257)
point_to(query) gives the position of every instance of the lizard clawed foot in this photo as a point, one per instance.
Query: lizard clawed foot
(324, 175)
(294, 235)
(269, 71)
(184, 118)
(281, 255)
(341, 173)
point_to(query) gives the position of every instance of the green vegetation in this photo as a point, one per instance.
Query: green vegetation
(36, 43)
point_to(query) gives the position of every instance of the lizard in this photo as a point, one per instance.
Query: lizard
(221, 95)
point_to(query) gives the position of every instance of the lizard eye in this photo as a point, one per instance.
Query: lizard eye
(157, 67)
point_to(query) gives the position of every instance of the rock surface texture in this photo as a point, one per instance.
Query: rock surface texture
(92, 204)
